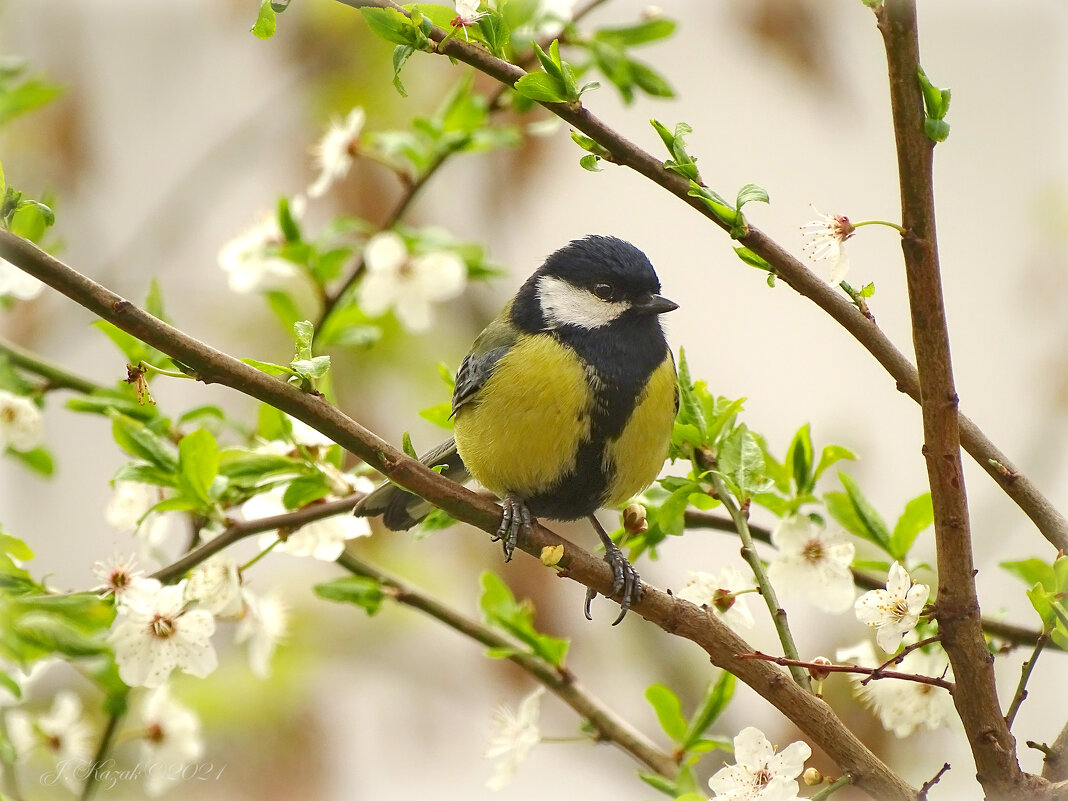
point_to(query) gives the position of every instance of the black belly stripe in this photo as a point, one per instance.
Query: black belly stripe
(620, 362)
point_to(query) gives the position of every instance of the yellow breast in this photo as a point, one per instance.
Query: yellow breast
(528, 420)
(638, 454)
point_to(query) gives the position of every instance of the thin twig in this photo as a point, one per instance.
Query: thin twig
(1055, 766)
(874, 673)
(238, 530)
(880, 670)
(560, 681)
(957, 608)
(56, 377)
(792, 271)
(1025, 675)
(927, 785)
(681, 618)
(826, 792)
(778, 614)
(106, 740)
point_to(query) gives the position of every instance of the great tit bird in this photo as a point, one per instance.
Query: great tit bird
(566, 401)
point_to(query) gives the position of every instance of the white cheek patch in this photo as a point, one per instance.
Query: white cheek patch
(565, 304)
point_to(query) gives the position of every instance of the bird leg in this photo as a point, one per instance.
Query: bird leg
(625, 579)
(515, 519)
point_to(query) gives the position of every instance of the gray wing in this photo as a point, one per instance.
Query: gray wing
(486, 352)
(401, 509)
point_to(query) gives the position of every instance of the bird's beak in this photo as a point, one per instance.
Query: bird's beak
(655, 304)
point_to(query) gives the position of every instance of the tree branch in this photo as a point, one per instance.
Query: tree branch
(1046, 517)
(56, 377)
(957, 607)
(559, 680)
(872, 673)
(810, 714)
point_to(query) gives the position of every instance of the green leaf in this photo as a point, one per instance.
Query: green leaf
(717, 696)
(501, 609)
(407, 447)
(642, 33)
(140, 441)
(13, 546)
(590, 163)
(799, 457)
(542, 87)
(741, 461)
(719, 208)
(401, 54)
(918, 515)
(287, 223)
(359, 590)
(38, 460)
(856, 515)
(668, 710)
(265, 24)
(270, 367)
(198, 464)
(936, 106)
(751, 193)
(666, 786)
(691, 411)
(304, 490)
(830, 455)
(752, 259)
(315, 367)
(1033, 571)
(31, 219)
(27, 96)
(440, 415)
(390, 24)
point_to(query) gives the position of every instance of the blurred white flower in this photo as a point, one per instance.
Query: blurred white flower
(129, 502)
(216, 586)
(407, 284)
(171, 737)
(514, 737)
(893, 612)
(826, 237)
(20, 422)
(153, 639)
(250, 260)
(813, 562)
(62, 732)
(320, 539)
(24, 679)
(760, 774)
(263, 626)
(717, 593)
(903, 707)
(304, 434)
(123, 580)
(335, 153)
(18, 283)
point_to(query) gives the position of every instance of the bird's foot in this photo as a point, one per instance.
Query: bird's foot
(515, 520)
(626, 583)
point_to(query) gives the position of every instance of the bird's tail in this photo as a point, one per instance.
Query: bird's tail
(401, 509)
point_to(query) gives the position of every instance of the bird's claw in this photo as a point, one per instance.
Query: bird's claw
(516, 519)
(626, 583)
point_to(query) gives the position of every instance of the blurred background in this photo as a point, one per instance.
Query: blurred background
(177, 128)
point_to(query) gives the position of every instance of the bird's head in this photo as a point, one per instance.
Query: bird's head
(591, 283)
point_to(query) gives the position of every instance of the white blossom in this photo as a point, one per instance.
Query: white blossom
(304, 434)
(335, 153)
(813, 562)
(153, 639)
(904, 707)
(320, 539)
(716, 592)
(171, 737)
(893, 612)
(760, 774)
(20, 422)
(127, 508)
(263, 625)
(407, 284)
(18, 283)
(124, 581)
(826, 237)
(467, 12)
(216, 586)
(514, 737)
(251, 261)
(62, 732)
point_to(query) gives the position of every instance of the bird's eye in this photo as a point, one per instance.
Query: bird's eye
(603, 291)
